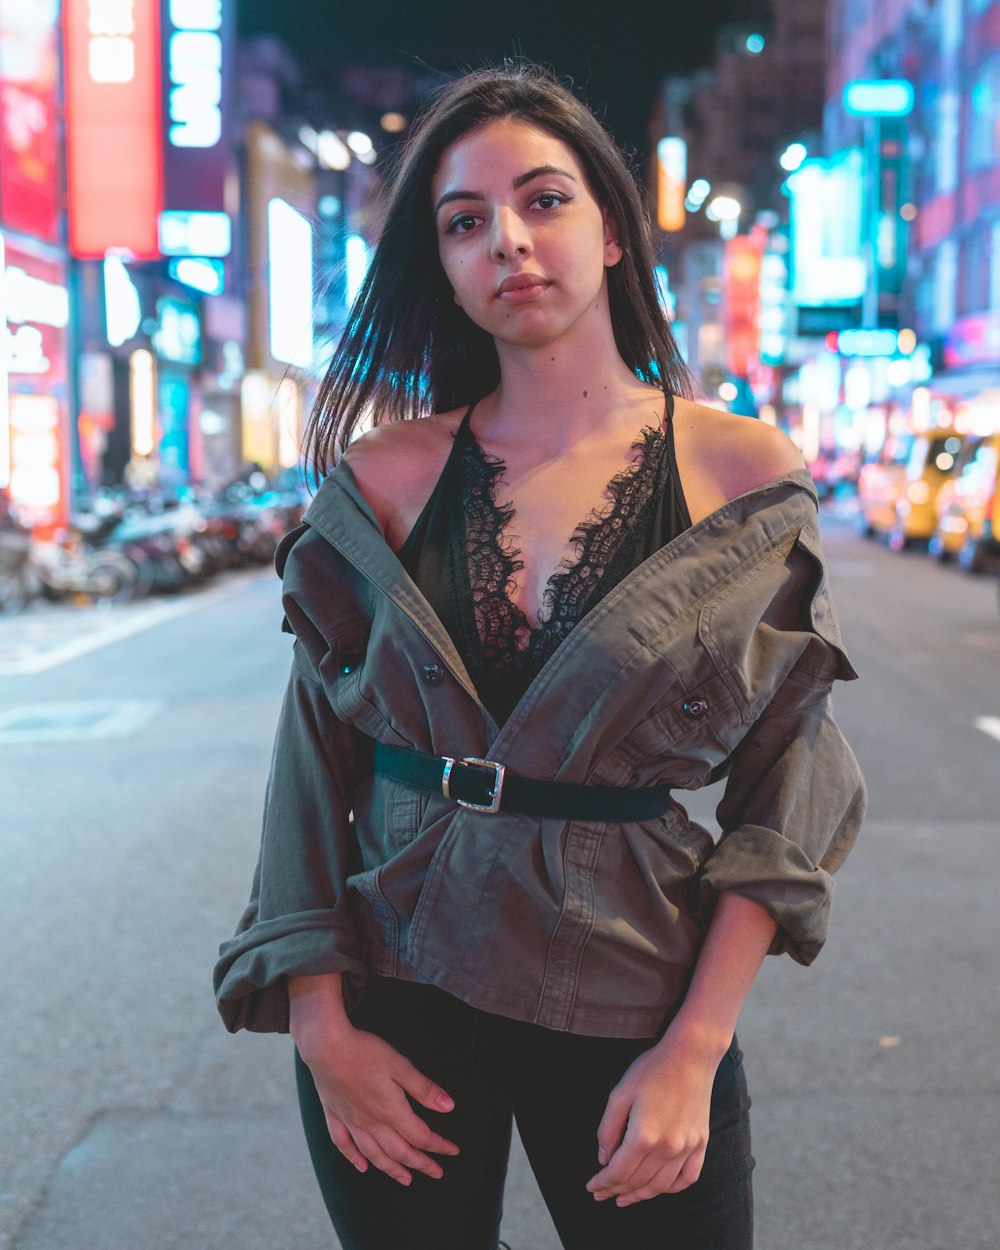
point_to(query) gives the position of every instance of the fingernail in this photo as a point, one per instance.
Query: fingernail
(602, 1156)
(444, 1103)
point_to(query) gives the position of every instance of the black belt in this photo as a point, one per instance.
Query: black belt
(485, 786)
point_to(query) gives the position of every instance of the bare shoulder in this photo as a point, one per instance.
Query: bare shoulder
(721, 455)
(396, 465)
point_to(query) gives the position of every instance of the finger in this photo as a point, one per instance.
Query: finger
(417, 1132)
(668, 1180)
(398, 1148)
(342, 1139)
(649, 1167)
(689, 1173)
(615, 1177)
(371, 1149)
(611, 1129)
(639, 1158)
(422, 1088)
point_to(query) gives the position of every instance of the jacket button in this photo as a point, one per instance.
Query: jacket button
(432, 675)
(695, 707)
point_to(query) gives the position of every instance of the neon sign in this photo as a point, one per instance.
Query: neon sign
(113, 126)
(5, 465)
(290, 283)
(195, 65)
(111, 49)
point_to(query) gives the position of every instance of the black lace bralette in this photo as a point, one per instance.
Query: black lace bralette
(460, 558)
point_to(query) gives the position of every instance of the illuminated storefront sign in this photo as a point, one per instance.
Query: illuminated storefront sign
(113, 126)
(207, 276)
(198, 37)
(973, 340)
(29, 151)
(4, 383)
(194, 60)
(290, 284)
(879, 97)
(357, 259)
(195, 234)
(122, 306)
(741, 283)
(671, 176)
(178, 336)
(864, 342)
(774, 300)
(828, 266)
(142, 402)
(35, 414)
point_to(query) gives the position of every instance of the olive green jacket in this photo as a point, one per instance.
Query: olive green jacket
(714, 657)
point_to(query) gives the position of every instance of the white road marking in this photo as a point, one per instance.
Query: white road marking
(137, 620)
(78, 721)
(989, 725)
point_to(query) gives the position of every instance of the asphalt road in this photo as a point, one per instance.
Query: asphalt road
(134, 748)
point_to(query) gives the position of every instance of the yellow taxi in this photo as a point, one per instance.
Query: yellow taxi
(897, 493)
(968, 507)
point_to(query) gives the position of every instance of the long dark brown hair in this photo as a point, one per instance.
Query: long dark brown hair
(407, 349)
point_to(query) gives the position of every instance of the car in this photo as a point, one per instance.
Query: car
(967, 508)
(897, 493)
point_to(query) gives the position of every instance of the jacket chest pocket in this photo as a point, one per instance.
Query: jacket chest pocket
(346, 676)
(699, 728)
(757, 629)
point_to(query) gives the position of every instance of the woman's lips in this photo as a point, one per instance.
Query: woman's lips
(522, 293)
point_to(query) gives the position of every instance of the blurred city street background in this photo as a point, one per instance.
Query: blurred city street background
(189, 196)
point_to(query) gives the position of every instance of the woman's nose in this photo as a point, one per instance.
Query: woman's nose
(510, 236)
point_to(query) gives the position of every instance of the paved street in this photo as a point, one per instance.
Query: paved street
(132, 771)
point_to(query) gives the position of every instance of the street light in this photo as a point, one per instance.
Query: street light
(793, 156)
(725, 209)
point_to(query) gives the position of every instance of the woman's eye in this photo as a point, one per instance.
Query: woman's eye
(550, 199)
(461, 225)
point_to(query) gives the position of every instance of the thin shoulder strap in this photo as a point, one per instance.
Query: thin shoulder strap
(670, 422)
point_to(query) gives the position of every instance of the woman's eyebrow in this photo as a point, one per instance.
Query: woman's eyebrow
(516, 183)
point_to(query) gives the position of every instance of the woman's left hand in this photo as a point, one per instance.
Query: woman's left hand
(654, 1133)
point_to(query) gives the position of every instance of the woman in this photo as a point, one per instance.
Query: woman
(476, 896)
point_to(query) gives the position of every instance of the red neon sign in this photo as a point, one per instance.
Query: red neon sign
(34, 342)
(741, 280)
(113, 126)
(29, 62)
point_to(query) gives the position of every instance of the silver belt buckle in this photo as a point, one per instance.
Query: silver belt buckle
(495, 794)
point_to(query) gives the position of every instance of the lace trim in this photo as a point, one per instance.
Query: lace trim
(501, 634)
(506, 642)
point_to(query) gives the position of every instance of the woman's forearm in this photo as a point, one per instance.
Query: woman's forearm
(737, 940)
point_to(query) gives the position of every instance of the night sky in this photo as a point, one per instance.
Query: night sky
(615, 53)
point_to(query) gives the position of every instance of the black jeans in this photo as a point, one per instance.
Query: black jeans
(556, 1086)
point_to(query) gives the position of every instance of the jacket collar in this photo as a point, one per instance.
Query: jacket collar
(342, 515)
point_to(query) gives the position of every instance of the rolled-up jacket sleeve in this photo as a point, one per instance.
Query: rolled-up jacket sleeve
(299, 918)
(792, 808)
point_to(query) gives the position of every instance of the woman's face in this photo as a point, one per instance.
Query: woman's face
(524, 243)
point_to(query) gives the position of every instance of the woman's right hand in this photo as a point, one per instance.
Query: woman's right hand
(362, 1083)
